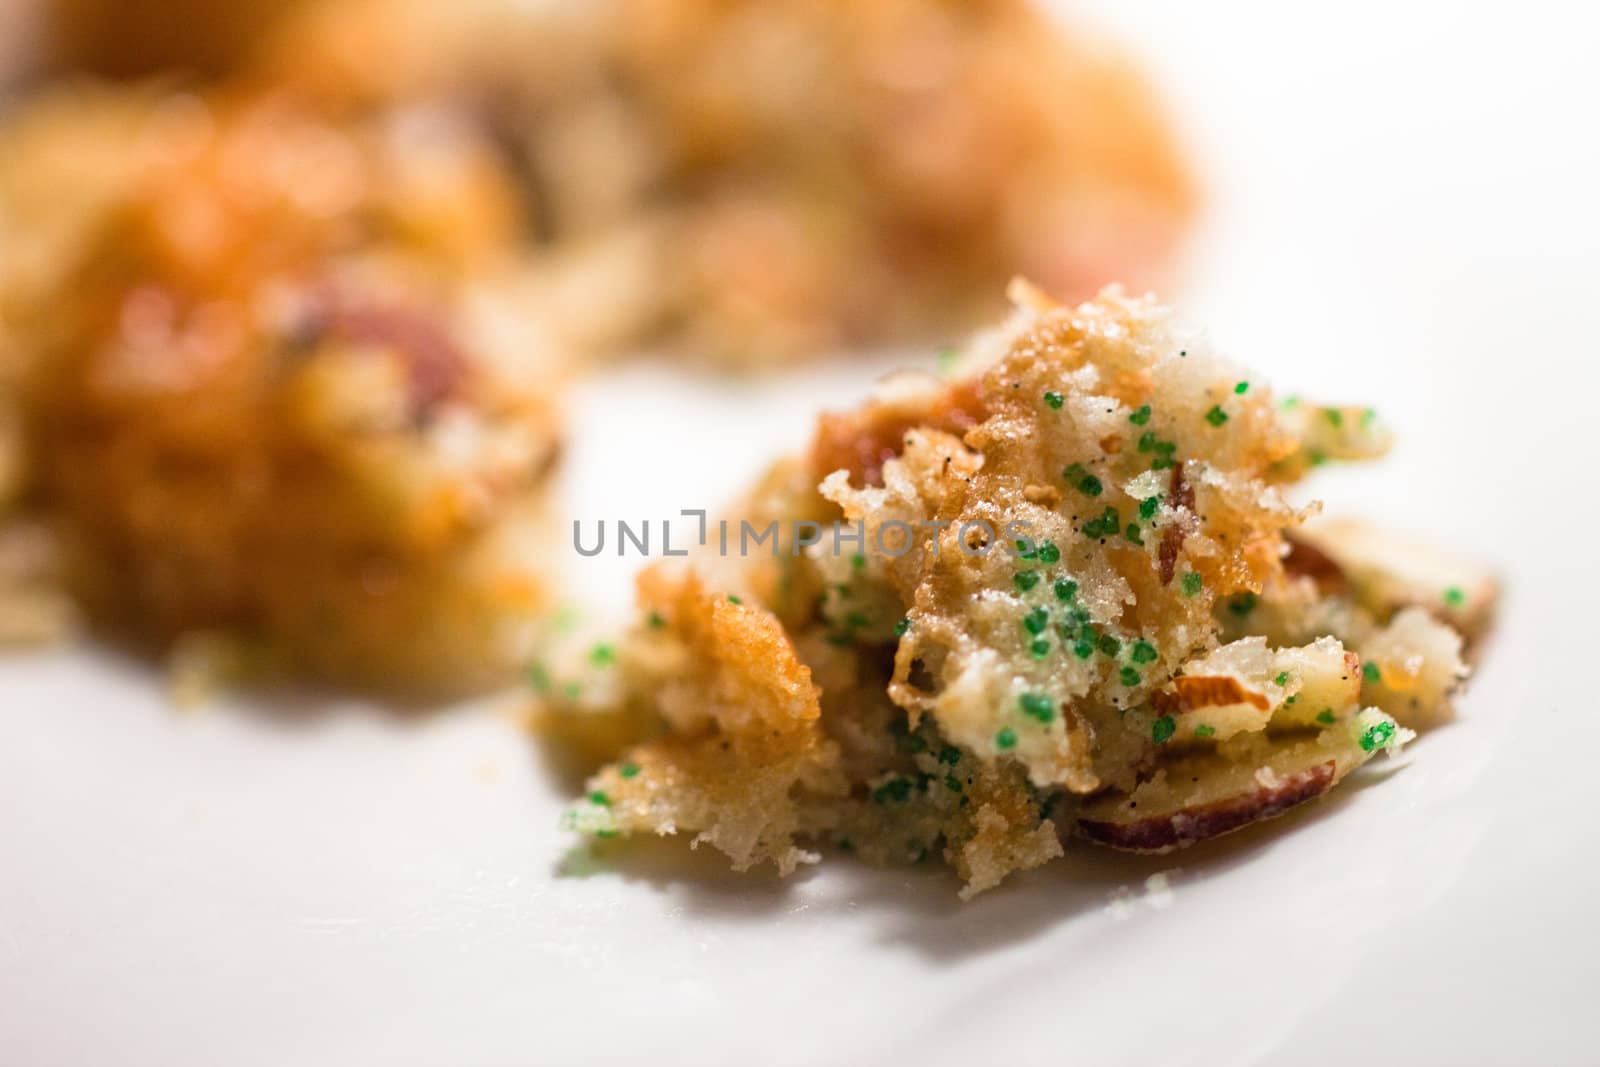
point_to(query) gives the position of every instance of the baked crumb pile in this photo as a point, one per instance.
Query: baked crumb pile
(1110, 621)
(265, 391)
(753, 181)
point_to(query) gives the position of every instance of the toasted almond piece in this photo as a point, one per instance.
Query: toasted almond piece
(1196, 797)
(1170, 830)
(1224, 693)
(1217, 703)
(1306, 560)
(1388, 572)
(1192, 692)
(1324, 682)
(1247, 686)
(1416, 666)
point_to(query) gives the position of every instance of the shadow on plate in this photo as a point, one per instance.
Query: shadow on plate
(918, 906)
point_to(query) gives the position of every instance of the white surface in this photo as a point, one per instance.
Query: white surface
(1403, 212)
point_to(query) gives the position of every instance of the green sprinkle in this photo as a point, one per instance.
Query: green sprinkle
(952, 783)
(1282, 679)
(1148, 507)
(858, 561)
(1204, 730)
(1025, 550)
(1140, 417)
(1037, 706)
(1216, 416)
(1242, 388)
(1005, 739)
(1326, 717)
(1049, 553)
(1455, 596)
(656, 621)
(915, 744)
(628, 770)
(1132, 534)
(856, 621)
(1162, 729)
(1066, 589)
(1040, 648)
(602, 655)
(1025, 580)
(1290, 403)
(901, 627)
(1083, 649)
(1377, 735)
(1335, 417)
(1371, 673)
(950, 755)
(1368, 417)
(1090, 486)
(538, 677)
(572, 690)
(1143, 652)
(1148, 441)
(1192, 583)
(600, 798)
(734, 599)
(605, 833)
(1035, 621)
(894, 791)
(1243, 604)
(1110, 645)
(1316, 458)
(1128, 677)
(948, 358)
(1055, 400)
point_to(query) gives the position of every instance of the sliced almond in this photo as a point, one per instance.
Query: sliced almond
(1199, 796)
(1388, 572)
(1190, 693)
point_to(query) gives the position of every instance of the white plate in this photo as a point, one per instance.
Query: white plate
(1403, 212)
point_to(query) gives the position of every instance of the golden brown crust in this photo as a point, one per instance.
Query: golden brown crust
(745, 738)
